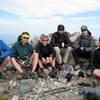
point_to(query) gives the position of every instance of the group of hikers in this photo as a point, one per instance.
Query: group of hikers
(47, 53)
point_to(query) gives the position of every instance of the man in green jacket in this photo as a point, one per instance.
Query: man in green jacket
(21, 49)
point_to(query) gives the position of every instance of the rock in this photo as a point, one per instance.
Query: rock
(26, 86)
(1, 89)
(15, 97)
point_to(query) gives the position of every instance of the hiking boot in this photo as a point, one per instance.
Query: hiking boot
(77, 67)
(34, 75)
(24, 75)
(41, 73)
(53, 74)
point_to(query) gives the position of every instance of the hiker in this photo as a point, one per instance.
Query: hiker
(20, 50)
(84, 47)
(96, 61)
(60, 41)
(46, 54)
(5, 54)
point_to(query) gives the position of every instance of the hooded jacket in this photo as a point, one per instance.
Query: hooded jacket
(97, 58)
(5, 51)
(21, 51)
(57, 39)
(86, 42)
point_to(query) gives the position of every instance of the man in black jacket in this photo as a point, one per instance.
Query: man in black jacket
(84, 46)
(96, 71)
(59, 41)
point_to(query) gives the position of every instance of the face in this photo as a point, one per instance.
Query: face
(44, 42)
(61, 31)
(24, 40)
(85, 33)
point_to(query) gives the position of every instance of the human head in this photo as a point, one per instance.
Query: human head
(25, 37)
(84, 28)
(44, 39)
(85, 31)
(60, 29)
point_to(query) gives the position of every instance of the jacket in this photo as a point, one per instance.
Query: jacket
(96, 61)
(57, 39)
(45, 51)
(86, 42)
(21, 51)
(5, 51)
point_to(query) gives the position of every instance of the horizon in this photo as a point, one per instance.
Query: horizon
(43, 16)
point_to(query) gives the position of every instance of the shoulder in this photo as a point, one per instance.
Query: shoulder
(54, 34)
(1, 42)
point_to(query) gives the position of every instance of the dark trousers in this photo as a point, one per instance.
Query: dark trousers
(84, 54)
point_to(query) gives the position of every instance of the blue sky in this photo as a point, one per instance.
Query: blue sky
(43, 16)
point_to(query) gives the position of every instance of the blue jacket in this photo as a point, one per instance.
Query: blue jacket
(4, 50)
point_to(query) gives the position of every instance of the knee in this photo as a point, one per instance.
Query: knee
(8, 59)
(69, 48)
(57, 49)
(96, 72)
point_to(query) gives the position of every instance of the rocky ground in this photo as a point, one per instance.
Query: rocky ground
(43, 89)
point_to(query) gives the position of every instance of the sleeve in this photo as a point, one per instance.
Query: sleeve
(31, 49)
(14, 51)
(95, 63)
(6, 51)
(53, 53)
(92, 45)
(68, 42)
(53, 41)
(38, 50)
(76, 45)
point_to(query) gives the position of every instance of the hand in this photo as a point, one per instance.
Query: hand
(81, 48)
(44, 60)
(63, 45)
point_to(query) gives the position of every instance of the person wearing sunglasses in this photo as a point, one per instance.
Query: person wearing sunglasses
(96, 62)
(5, 53)
(46, 54)
(20, 50)
(60, 41)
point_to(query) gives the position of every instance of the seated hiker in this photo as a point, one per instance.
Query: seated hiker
(96, 61)
(84, 46)
(46, 54)
(5, 54)
(21, 49)
(60, 41)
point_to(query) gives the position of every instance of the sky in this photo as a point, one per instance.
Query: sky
(43, 16)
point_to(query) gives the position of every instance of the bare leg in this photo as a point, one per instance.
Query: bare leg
(41, 64)
(6, 60)
(96, 72)
(34, 59)
(16, 65)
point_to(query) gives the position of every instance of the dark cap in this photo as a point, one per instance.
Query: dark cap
(84, 28)
(61, 27)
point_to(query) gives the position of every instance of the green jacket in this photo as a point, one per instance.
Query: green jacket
(21, 51)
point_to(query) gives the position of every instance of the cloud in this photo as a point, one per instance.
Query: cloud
(45, 8)
(81, 18)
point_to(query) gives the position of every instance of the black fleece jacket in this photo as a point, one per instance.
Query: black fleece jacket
(45, 51)
(97, 58)
(57, 39)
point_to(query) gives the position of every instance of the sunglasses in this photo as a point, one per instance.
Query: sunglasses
(44, 40)
(60, 29)
(25, 37)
